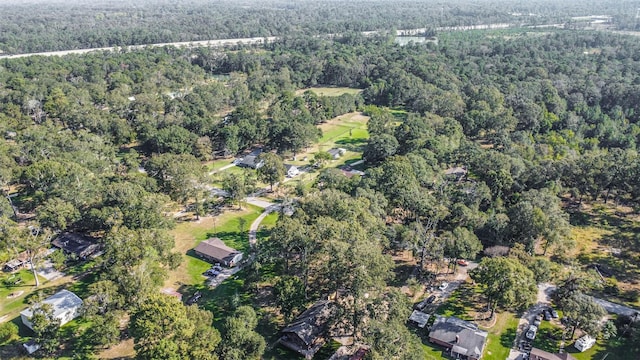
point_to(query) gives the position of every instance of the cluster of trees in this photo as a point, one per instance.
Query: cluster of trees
(103, 142)
(39, 25)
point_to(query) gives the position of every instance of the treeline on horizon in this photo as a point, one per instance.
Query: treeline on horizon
(38, 26)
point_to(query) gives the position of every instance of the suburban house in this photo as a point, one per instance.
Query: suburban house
(455, 173)
(251, 161)
(537, 354)
(336, 153)
(81, 246)
(215, 250)
(291, 170)
(306, 334)
(463, 338)
(65, 305)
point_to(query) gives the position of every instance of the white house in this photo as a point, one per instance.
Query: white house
(292, 170)
(336, 153)
(584, 343)
(65, 304)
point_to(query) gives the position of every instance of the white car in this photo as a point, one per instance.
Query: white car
(531, 333)
(443, 286)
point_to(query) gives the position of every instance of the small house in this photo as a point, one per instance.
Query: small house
(17, 263)
(584, 343)
(31, 346)
(81, 246)
(215, 250)
(537, 354)
(306, 334)
(65, 305)
(336, 153)
(291, 170)
(251, 162)
(455, 173)
(462, 338)
(419, 318)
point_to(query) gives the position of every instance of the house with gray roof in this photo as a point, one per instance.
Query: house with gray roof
(215, 250)
(251, 161)
(65, 305)
(463, 338)
(306, 334)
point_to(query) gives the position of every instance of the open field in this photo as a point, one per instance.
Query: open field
(330, 91)
(607, 236)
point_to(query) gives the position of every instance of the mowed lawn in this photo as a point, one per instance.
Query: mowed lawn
(228, 227)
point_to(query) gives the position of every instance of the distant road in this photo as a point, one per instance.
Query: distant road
(203, 43)
(261, 40)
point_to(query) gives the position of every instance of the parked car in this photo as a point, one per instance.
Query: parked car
(422, 304)
(431, 299)
(443, 286)
(536, 322)
(554, 314)
(547, 315)
(531, 333)
(194, 299)
(463, 262)
(212, 273)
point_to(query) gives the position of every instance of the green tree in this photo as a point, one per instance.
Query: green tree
(584, 313)
(272, 171)
(163, 328)
(321, 158)
(46, 326)
(505, 283)
(237, 186)
(379, 148)
(57, 214)
(105, 329)
(240, 340)
(289, 295)
(179, 176)
(462, 244)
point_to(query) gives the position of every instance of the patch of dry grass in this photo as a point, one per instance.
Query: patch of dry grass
(330, 91)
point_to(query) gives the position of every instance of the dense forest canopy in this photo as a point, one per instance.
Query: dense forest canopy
(36, 26)
(113, 144)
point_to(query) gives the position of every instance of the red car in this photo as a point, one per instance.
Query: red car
(463, 262)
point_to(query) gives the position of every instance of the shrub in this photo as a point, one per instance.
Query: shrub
(8, 331)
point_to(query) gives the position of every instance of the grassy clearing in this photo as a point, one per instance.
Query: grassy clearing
(10, 301)
(501, 336)
(330, 91)
(607, 235)
(549, 337)
(189, 234)
(217, 164)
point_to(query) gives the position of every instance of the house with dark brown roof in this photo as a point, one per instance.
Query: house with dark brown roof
(306, 334)
(80, 245)
(215, 250)
(537, 354)
(463, 338)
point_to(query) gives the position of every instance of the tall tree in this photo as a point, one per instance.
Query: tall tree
(505, 283)
(241, 341)
(163, 328)
(272, 171)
